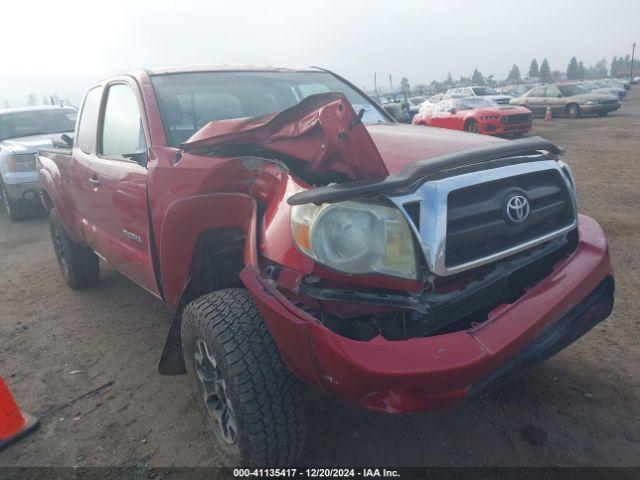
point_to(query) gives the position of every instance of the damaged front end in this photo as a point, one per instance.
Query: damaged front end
(429, 250)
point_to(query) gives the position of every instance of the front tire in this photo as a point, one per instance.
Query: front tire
(472, 127)
(14, 212)
(252, 404)
(80, 267)
(573, 110)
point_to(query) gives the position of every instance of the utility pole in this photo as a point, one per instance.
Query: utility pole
(633, 52)
(390, 84)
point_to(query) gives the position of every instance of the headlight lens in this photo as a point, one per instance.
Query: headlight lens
(355, 238)
(21, 163)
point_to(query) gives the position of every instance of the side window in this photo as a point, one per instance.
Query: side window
(122, 133)
(537, 92)
(552, 92)
(89, 120)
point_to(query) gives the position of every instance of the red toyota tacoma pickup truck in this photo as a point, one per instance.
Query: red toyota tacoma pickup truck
(299, 233)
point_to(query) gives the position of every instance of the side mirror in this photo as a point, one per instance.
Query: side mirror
(67, 139)
(452, 111)
(139, 157)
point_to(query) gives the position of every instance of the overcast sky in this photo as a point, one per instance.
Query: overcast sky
(62, 46)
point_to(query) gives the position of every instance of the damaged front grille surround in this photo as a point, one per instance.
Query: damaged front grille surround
(429, 222)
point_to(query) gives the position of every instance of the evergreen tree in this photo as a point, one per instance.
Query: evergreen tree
(614, 67)
(514, 74)
(600, 69)
(580, 74)
(572, 69)
(534, 71)
(545, 71)
(477, 78)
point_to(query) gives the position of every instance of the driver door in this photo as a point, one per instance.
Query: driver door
(449, 119)
(536, 100)
(118, 178)
(554, 100)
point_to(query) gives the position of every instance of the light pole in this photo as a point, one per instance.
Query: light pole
(633, 52)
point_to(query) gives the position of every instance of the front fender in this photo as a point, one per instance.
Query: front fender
(186, 220)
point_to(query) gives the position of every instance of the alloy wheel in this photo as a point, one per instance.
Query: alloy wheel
(61, 254)
(213, 392)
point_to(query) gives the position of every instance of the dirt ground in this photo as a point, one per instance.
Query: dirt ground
(85, 362)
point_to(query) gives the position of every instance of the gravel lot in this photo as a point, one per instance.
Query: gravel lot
(582, 407)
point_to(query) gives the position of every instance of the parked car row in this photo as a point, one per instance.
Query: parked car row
(483, 110)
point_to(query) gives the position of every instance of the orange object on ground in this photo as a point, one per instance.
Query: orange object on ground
(13, 423)
(548, 115)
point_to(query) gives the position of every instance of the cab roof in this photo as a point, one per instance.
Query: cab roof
(228, 67)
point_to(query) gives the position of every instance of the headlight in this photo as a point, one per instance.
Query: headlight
(355, 238)
(489, 117)
(568, 175)
(21, 163)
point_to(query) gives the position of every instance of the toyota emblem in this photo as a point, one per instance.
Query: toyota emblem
(517, 208)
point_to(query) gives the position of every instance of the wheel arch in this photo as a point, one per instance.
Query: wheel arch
(54, 195)
(569, 104)
(467, 121)
(205, 241)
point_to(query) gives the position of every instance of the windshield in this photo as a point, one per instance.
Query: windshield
(484, 91)
(188, 101)
(473, 102)
(36, 122)
(570, 90)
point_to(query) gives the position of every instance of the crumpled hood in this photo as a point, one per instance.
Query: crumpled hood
(322, 130)
(326, 132)
(30, 144)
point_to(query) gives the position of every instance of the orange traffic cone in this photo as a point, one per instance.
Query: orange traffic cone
(13, 423)
(547, 116)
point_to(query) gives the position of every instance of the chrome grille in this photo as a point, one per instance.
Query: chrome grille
(477, 225)
(460, 221)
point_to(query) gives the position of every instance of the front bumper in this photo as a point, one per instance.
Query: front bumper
(23, 192)
(499, 128)
(442, 371)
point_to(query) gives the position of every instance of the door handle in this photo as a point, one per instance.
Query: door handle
(94, 182)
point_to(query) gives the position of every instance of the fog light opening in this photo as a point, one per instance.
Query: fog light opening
(29, 195)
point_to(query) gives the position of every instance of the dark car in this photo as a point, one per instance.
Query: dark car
(569, 99)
